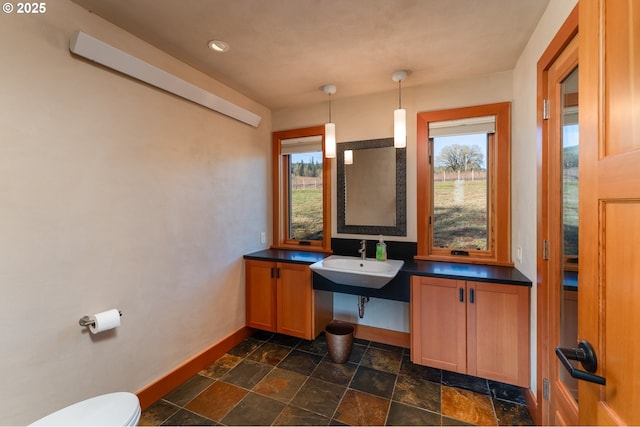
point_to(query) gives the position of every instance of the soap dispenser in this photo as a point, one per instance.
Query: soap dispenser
(381, 250)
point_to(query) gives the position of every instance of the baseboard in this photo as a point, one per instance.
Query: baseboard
(532, 404)
(154, 392)
(384, 336)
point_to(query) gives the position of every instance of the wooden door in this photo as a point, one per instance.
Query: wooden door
(261, 294)
(498, 332)
(295, 300)
(438, 323)
(563, 195)
(609, 299)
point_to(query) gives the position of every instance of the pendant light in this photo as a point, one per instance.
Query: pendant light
(400, 115)
(330, 127)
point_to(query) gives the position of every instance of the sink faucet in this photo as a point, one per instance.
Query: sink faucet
(363, 249)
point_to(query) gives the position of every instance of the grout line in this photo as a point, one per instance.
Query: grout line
(393, 392)
(199, 415)
(347, 387)
(173, 413)
(493, 406)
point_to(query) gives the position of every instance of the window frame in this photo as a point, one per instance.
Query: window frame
(280, 182)
(499, 186)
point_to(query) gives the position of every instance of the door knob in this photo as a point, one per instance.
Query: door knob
(585, 354)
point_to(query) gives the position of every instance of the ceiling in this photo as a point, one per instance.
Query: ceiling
(283, 51)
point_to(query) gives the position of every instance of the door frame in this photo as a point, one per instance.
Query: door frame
(569, 29)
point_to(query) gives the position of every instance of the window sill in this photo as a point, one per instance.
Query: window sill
(304, 248)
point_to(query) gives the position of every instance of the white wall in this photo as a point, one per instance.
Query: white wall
(370, 117)
(114, 194)
(523, 154)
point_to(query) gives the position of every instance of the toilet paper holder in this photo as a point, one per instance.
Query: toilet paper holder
(88, 321)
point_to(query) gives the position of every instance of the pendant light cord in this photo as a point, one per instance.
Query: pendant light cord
(399, 94)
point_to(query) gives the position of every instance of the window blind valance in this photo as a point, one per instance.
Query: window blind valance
(473, 125)
(307, 144)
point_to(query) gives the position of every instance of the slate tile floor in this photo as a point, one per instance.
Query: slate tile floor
(272, 379)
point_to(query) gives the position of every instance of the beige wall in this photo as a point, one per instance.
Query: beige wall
(369, 117)
(114, 194)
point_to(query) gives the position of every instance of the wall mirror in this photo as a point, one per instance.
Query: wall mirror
(372, 188)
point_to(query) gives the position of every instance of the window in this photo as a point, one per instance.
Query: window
(460, 219)
(464, 184)
(301, 190)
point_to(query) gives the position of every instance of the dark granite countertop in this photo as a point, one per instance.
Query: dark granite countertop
(297, 257)
(474, 272)
(449, 270)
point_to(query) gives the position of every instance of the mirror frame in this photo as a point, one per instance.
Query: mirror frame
(400, 229)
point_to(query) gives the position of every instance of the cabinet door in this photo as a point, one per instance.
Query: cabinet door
(261, 294)
(438, 323)
(498, 332)
(295, 300)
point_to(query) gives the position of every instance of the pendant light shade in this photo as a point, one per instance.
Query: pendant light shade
(330, 140)
(330, 127)
(399, 115)
(400, 128)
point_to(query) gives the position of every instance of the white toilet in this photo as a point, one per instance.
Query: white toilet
(113, 409)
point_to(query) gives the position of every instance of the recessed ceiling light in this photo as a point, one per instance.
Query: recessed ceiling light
(219, 46)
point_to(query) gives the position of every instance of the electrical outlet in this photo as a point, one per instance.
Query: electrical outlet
(519, 254)
(263, 237)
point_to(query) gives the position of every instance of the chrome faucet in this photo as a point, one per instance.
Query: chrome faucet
(363, 249)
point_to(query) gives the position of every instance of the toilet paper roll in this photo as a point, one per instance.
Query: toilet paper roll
(104, 321)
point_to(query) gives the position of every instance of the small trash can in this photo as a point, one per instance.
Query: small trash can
(339, 341)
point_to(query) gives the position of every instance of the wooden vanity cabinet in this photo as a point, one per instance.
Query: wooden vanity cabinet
(261, 295)
(475, 328)
(280, 298)
(438, 324)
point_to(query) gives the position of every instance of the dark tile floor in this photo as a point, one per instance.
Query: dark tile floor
(279, 380)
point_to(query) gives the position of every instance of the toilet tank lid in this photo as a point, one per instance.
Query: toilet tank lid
(113, 409)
